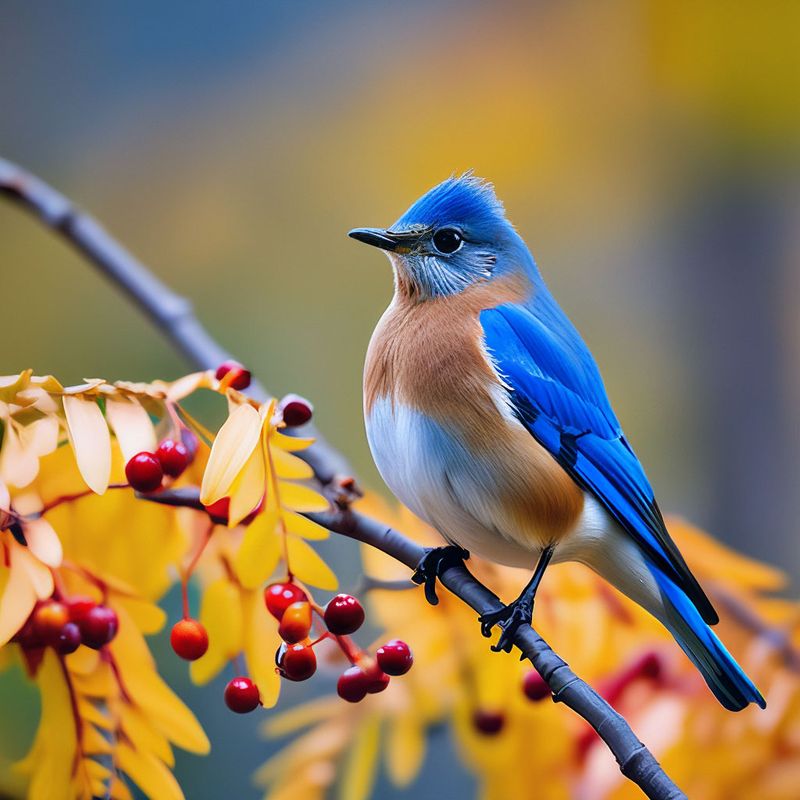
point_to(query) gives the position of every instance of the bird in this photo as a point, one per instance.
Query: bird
(487, 416)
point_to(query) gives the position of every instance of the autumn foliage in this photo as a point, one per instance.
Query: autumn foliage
(93, 534)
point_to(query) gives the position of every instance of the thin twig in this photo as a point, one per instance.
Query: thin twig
(780, 639)
(175, 318)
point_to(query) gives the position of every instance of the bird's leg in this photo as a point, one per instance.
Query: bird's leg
(433, 564)
(520, 612)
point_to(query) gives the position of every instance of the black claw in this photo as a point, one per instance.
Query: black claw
(433, 565)
(509, 618)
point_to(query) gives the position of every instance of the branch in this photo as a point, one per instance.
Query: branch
(174, 316)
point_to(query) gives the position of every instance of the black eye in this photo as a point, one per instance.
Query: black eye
(447, 240)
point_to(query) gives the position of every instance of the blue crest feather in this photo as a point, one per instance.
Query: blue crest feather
(460, 200)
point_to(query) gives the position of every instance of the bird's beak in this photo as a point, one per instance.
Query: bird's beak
(377, 237)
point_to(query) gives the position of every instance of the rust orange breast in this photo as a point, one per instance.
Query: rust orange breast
(429, 356)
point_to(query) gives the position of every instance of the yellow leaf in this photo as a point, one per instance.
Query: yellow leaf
(11, 384)
(149, 774)
(17, 594)
(23, 446)
(229, 453)
(295, 719)
(41, 436)
(82, 388)
(405, 748)
(221, 614)
(260, 550)
(188, 384)
(90, 712)
(143, 736)
(146, 688)
(362, 760)
(148, 617)
(51, 758)
(131, 425)
(39, 575)
(289, 466)
(303, 526)
(100, 683)
(18, 466)
(118, 790)
(261, 640)
(93, 742)
(301, 498)
(83, 661)
(248, 488)
(90, 440)
(290, 443)
(43, 541)
(97, 770)
(306, 564)
(706, 555)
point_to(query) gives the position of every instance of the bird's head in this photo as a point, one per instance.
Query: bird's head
(454, 236)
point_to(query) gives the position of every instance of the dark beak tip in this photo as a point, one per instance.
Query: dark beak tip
(374, 236)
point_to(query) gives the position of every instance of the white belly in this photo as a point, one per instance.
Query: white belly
(435, 476)
(441, 482)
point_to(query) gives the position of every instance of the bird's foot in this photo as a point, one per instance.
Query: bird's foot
(433, 565)
(509, 618)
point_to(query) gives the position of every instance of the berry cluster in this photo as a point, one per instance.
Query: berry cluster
(296, 660)
(145, 471)
(66, 625)
(343, 615)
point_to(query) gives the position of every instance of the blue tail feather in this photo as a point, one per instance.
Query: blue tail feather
(724, 676)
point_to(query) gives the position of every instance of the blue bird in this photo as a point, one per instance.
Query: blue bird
(487, 416)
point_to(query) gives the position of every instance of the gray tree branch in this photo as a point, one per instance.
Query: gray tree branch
(174, 316)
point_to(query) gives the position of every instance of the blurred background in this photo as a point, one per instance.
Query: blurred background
(647, 151)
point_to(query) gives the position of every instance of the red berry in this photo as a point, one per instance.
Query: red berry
(279, 596)
(68, 640)
(489, 723)
(377, 679)
(395, 658)
(535, 687)
(189, 639)
(79, 607)
(173, 457)
(296, 410)
(344, 614)
(295, 622)
(49, 620)
(239, 377)
(242, 695)
(144, 472)
(352, 685)
(298, 662)
(220, 508)
(99, 627)
(651, 666)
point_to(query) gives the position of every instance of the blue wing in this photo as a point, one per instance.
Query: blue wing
(558, 394)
